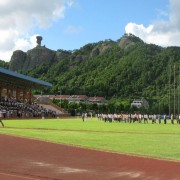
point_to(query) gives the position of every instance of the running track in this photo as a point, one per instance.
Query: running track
(27, 159)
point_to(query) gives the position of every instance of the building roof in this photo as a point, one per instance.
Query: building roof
(64, 97)
(96, 98)
(77, 97)
(24, 77)
(67, 97)
(74, 98)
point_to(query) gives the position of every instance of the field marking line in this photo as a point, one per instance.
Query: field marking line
(18, 176)
(114, 132)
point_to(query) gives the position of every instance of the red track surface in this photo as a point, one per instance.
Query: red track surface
(26, 159)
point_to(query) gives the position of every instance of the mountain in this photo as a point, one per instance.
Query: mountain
(21, 61)
(124, 69)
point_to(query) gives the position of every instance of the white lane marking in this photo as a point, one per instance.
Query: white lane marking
(18, 176)
(130, 174)
(59, 169)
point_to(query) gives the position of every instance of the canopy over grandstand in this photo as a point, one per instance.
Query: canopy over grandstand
(19, 86)
(10, 78)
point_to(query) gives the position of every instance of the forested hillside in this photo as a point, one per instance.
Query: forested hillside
(118, 70)
(4, 64)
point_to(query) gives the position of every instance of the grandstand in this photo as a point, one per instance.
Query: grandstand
(19, 86)
(16, 99)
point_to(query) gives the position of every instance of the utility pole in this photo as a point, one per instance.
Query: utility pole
(60, 96)
(178, 90)
(169, 90)
(174, 90)
(158, 94)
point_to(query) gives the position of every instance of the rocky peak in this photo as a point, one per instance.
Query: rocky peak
(62, 54)
(21, 61)
(17, 60)
(128, 40)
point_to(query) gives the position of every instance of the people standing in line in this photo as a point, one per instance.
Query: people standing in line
(156, 118)
(165, 121)
(1, 116)
(86, 116)
(150, 117)
(134, 118)
(153, 118)
(140, 118)
(159, 118)
(145, 118)
(130, 118)
(83, 116)
(172, 119)
(178, 119)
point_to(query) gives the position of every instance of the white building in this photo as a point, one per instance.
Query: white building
(97, 99)
(139, 103)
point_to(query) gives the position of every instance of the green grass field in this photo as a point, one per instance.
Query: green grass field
(151, 140)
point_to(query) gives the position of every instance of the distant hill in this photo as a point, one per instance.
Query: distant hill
(4, 64)
(124, 69)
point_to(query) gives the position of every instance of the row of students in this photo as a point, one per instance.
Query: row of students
(138, 117)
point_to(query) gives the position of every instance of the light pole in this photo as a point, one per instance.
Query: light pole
(174, 89)
(169, 90)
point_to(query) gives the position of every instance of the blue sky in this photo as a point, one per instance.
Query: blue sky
(95, 20)
(71, 24)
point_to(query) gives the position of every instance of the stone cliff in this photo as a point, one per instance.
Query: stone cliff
(17, 60)
(21, 61)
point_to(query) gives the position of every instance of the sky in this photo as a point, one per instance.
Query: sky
(71, 24)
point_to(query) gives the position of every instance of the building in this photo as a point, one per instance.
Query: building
(59, 97)
(96, 99)
(78, 98)
(74, 98)
(140, 103)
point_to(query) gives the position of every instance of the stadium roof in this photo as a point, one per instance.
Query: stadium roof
(14, 76)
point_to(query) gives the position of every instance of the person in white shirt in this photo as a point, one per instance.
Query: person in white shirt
(178, 119)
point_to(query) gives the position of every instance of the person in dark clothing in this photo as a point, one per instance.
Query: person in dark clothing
(83, 116)
(172, 119)
(159, 118)
(165, 119)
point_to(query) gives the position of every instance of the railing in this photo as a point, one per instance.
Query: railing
(56, 107)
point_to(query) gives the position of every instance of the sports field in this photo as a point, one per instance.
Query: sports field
(149, 140)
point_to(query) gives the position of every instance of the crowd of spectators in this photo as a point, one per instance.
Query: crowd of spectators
(10, 108)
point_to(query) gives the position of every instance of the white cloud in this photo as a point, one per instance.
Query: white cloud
(19, 17)
(161, 32)
(26, 43)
